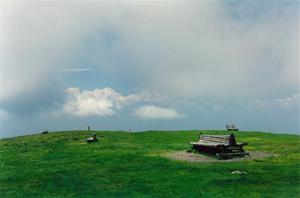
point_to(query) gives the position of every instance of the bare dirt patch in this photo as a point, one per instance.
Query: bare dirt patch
(200, 158)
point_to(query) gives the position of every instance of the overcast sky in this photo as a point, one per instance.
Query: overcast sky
(161, 65)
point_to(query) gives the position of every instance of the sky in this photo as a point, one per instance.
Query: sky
(149, 65)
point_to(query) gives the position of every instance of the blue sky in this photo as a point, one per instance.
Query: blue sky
(155, 65)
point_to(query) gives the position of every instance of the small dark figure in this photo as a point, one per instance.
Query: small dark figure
(25, 147)
(200, 134)
(89, 128)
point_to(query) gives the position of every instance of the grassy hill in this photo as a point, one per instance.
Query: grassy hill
(122, 164)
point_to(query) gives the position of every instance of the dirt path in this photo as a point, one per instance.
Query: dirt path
(197, 157)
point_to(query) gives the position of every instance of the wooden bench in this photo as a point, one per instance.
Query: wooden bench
(92, 139)
(45, 132)
(231, 127)
(222, 146)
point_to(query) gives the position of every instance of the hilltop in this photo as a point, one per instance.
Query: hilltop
(62, 164)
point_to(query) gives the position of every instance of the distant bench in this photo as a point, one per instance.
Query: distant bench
(231, 127)
(45, 132)
(222, 146)
(92, 139)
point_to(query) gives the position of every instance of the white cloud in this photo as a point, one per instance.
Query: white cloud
(3, 114)
(288, 102)
(77, 69)
(156, 112)
(101, 102)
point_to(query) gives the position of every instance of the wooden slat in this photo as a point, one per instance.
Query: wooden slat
(216, 139)
(216, 136)
(213, 138)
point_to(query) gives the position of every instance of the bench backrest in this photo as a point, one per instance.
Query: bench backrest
(230, 126)
(219, 139)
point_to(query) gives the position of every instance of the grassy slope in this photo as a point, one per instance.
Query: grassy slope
(128, 165)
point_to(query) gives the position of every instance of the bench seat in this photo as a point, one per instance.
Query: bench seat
(207, 143)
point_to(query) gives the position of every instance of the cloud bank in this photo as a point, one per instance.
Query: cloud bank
(287, 103)
(77, 69)
(108, 102)
(191, 49)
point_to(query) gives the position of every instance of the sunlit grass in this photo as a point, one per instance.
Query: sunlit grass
(129, 165)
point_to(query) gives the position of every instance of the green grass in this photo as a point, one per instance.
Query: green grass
(122, 164)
